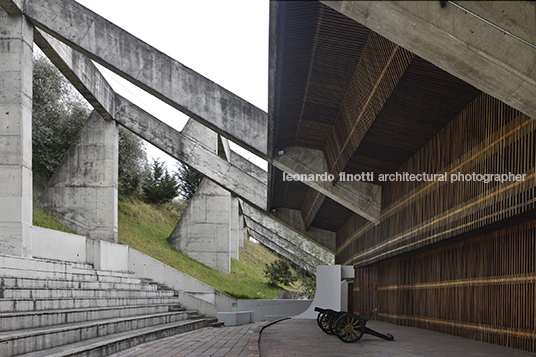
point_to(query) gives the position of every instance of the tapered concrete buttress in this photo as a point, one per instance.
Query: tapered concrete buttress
(83, 191)
(16, 41)
(204, 229)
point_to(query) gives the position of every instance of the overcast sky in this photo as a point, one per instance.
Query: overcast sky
(224, 40)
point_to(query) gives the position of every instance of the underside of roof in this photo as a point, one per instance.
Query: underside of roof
(366, 103)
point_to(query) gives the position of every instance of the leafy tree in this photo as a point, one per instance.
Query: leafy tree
(159, 186)
(278, 272)
(132, 163)
(59, 113)
(189, 180)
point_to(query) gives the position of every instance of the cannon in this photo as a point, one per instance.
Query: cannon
(347, 327)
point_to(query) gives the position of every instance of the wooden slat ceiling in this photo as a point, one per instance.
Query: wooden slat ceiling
(318, 50)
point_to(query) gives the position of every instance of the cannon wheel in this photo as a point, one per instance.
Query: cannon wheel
(326, 322)
(349, 328)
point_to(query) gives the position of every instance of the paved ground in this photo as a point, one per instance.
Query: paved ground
(304, 338)
(229, 341)
(294, 338)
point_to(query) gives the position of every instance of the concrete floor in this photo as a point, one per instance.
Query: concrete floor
(297, 337)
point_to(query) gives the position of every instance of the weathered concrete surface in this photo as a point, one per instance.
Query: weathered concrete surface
(152, 70)
(195, 146)
(16, 41)
(267, 241)
(361, 197)
(204, 229)
(285, 238)
(191, 151)
(293, 218)
(83, 191)
(12, 7)
(453, 39)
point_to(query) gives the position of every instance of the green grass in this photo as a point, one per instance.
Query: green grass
(146, 228)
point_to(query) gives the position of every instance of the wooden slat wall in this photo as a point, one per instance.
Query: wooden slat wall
(486, 137)
(482, 288)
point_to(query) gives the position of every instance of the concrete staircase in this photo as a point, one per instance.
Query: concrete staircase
(53, 308)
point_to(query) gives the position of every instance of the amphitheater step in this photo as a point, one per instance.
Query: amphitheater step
(33, 319)
(103, 346)
(24, 341)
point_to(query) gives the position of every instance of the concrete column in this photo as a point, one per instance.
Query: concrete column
(203, 231)
(83, 191)
(235, 232)
(16, 41)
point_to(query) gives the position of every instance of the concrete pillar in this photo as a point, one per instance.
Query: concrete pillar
(204, 230)
(16, 41)
(83, 191)
(235, 232)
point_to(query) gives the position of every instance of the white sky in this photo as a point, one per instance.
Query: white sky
(224, 40)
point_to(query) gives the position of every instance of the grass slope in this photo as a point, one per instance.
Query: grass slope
(146, 228)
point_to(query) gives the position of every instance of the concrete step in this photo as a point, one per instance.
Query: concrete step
(30, 340)
(24, 320)
(19, 305)
(23, 293)
(70, 275)
(103, 346)
(11, 282)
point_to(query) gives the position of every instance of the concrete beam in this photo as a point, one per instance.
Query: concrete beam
(301, 257)
(16, 50)
(270, 244)
(81, 72)
(472, 40)
(311, 205)
(286, 237)
(188, 151)
(360, 197)
(12, 7)
(293, 218)
(152, 70)
(192, 148)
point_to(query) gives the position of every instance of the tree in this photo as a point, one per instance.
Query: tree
(189, 180)
(59, 113)
(159, 186)
(132, 163)
(278, 272)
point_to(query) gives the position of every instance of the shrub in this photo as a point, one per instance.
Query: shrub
(278, 272)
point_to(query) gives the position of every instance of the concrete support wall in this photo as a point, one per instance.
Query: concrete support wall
(204, 229)
(83, 191)
(16, 41)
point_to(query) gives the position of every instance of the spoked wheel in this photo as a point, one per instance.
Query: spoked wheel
(349, 328)
(326, 322)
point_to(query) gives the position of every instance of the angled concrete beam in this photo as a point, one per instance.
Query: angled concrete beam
(190, 148)
(360, 197)
(311, 205)
(12, 7)
(81, 72)
(293, 248)
(287, 236)
(152, 70)
(187, 150)
(293, 218)
(472, 40)
(270, 244)
(381, 66)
